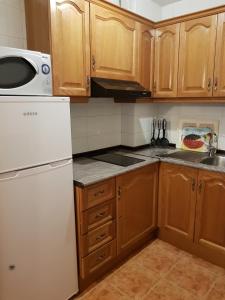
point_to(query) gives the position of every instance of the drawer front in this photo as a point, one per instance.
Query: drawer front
(98, 193)
(98, 237)
(97, 216)
(94, 261)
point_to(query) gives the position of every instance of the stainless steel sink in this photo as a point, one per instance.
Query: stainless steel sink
(190, 156)
(217, 161)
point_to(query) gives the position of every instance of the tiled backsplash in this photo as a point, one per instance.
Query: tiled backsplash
(95, 125)
(103, 123)
(175, 113)
(136, 123)
(12, 23)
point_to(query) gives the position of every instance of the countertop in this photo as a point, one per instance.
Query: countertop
(88, 171)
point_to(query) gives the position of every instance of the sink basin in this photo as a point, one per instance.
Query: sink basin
(190, 156)
(218, 161)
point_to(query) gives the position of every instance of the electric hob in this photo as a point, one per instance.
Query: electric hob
(118, 159)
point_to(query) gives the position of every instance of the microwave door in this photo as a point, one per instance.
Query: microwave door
(16, 72)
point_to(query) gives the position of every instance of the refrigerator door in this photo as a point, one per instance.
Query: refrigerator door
(38, 258)
(34, 131)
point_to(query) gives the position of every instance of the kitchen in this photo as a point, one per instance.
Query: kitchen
(148, 221)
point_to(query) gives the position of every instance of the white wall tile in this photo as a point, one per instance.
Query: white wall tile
(95, 125)
(12, 24)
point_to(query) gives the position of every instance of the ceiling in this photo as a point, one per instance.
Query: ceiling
(165, 2)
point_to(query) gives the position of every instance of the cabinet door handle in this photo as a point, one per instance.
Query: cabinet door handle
(119, 192)
(216, 84)
(200, 187)
(88, 82)
(154, 86)
(93, 63)
(209, 84)
(101, 237)
(99, 193)
(193, 184)
(100, 215)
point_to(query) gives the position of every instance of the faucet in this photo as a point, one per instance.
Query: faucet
(211, 148)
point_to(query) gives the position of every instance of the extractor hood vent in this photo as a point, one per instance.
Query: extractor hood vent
(119, 89)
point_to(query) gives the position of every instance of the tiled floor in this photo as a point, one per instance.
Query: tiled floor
(161, 272)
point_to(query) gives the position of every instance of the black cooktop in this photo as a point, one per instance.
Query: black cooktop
(118, 159)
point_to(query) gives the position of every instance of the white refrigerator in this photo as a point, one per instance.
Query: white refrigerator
(38, 257)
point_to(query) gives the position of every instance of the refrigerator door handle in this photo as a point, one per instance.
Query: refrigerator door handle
(61, 163)
(9, 175)
(35, 170)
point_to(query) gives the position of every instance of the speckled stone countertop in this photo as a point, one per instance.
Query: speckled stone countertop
(88, 171)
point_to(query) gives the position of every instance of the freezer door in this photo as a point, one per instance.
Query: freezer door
(38, 258)
(34, 131)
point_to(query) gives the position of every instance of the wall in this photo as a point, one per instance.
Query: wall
(136, 123)
(12, 23)
(175, 113)
(188, 6)
(95, 125)
(146, 8)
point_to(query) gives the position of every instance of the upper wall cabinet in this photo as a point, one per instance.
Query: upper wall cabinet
(146, 55)
(61, 28)
(219, 75)
(114, 44)
(196, 57)
(166, 61)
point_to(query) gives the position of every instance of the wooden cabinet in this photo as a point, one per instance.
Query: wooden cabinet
(219, 75)
(166, 61)
(146, 55)
(210, 216)
(114, 217)
(177, 200)
(196, 57)
(136, 205)
(114, 44)
(61, 28)
(96, 226)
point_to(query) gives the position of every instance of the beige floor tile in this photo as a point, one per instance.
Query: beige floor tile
(104, 292)
(194, 260)
(157, 259)
(166, 290)
(134, 280)
(192, 277)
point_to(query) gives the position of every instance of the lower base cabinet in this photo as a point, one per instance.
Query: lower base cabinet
(210, 213)
(137, 194)
(118, 215)
(177, 200)
(114, 217)
(192, 210)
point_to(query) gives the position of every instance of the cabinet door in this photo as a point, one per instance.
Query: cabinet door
(113, 45)
(146, 56)
(219, 76)
(166, 61)
(70, 47)
(210, 217)
(136, 204)
(196, 57)
(177, 200)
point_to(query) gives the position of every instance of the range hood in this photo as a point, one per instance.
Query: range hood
(119, 89)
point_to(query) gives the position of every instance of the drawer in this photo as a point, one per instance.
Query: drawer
(98, 193)
(96, 260)
(98, 215)
(97, 238)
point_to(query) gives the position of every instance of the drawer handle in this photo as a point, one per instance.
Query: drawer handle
(101, 237)
(101, 257)
(100, 215)
(99, 193)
